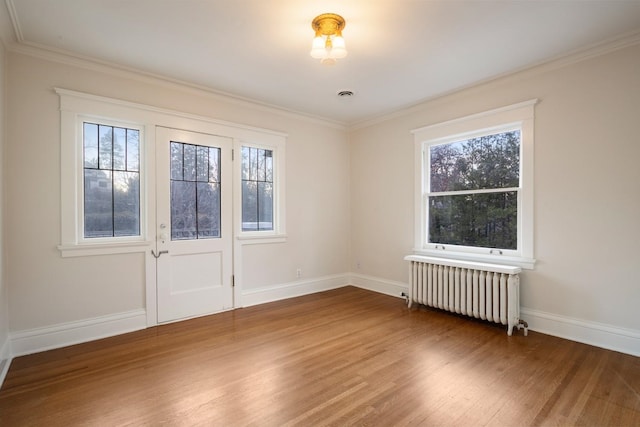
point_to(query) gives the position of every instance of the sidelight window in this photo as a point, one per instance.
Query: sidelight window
(260, 190)
(257, 189)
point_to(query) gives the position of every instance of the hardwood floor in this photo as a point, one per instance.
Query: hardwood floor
(343, 357)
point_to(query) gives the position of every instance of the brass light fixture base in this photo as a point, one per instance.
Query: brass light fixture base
(328, 24)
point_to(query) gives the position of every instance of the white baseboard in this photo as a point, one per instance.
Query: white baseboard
(61, 335)
(383, 286)
(587, 332)
(5, 359)
(293, 289)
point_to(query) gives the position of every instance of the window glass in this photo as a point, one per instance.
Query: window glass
(257, 189)
(488, 220)
(491, 161)
(195, 192)
(474, 187)
(111, 181)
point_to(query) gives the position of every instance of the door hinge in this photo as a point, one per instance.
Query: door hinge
(233, 281)
(232, 153)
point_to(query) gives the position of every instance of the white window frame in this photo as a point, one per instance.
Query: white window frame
(76, 105)
(517, 116)
(278, 234)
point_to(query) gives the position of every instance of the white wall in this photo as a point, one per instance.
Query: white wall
(587, 194)
(46, 290)
(350, 195)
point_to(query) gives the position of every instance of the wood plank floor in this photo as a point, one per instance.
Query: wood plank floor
(343, 357)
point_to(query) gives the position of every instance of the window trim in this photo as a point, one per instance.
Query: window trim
(75, 109)
(74, 104)
(520, 115)
(278, 233)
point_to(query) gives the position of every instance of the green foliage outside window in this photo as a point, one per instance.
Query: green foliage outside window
(480, 180)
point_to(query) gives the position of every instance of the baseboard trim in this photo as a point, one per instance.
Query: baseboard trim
(592, 333)
(65, 334)
(5, 359)
(587, 332)
(383, 286)
(293, 289)
(41, 339)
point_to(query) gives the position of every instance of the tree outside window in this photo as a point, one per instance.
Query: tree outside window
(257, 189)
(473, 191)
(111, 162)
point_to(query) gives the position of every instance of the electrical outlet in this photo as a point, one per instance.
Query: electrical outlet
(299, 273)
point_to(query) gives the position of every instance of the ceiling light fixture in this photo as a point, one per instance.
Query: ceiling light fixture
(328, 44)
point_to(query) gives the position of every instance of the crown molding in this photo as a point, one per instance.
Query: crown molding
(164, 111)
(592, 51)
(15, 43)
(7, 24)
(68, 58)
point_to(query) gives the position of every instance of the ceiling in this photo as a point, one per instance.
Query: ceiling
(401, 52)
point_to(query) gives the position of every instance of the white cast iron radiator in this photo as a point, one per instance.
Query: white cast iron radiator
(484, 291)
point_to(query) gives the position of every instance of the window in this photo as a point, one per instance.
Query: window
(103, 182)
(475, 178)
(111, 188)
(261, 193)
(473, 188)
(107, 179)
(195, 192)
(257, 189)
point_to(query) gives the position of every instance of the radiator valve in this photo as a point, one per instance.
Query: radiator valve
(523, 325)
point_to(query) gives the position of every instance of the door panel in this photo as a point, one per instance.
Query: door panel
(194, 245)
(196, 271)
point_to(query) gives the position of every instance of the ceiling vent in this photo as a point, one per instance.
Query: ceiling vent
(345, 93)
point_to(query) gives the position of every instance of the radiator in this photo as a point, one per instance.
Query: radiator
(484, 291)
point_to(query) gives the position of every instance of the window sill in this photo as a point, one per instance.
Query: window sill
(525, 263)
(92, 249)
(256, 239)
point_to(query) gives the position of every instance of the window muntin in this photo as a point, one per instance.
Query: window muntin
(257, 173)
(111, 186)
(473, 191)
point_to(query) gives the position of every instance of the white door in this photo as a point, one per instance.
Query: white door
(194, 242)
